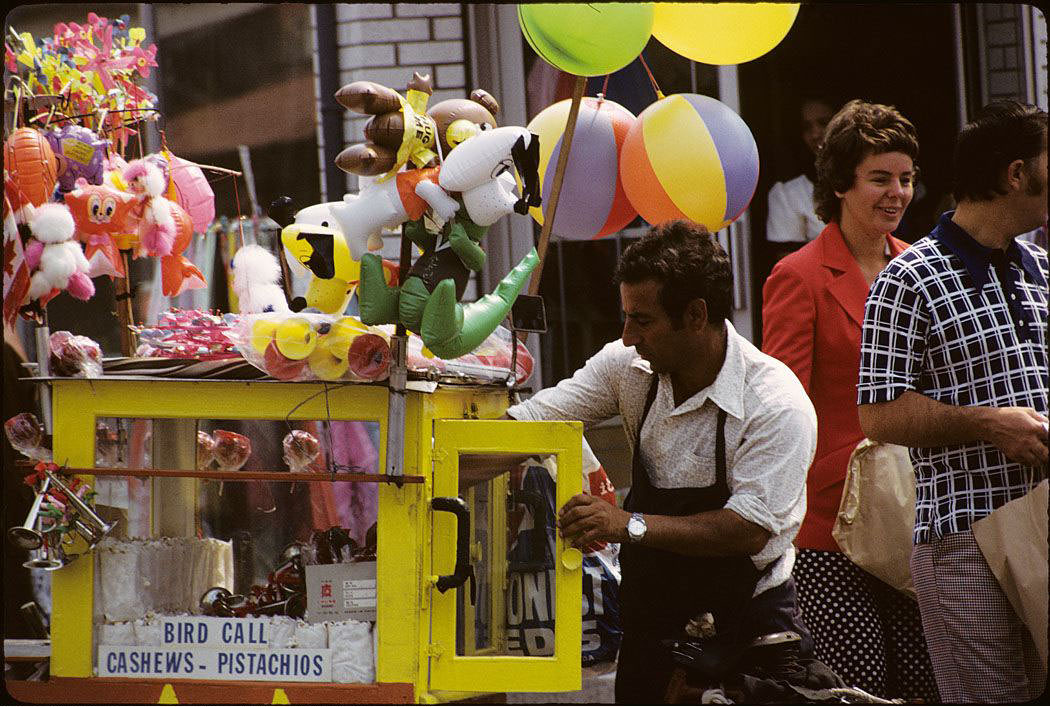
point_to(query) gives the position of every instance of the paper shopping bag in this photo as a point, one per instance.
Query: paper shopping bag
(1014, 543)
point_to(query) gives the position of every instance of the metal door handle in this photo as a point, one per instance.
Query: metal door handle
(464, 569)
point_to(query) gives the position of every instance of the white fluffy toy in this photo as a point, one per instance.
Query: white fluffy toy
(57, 259)
(256, 273)
(156, 229)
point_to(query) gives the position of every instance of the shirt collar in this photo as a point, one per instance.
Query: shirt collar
(727, 390)
(978, 258)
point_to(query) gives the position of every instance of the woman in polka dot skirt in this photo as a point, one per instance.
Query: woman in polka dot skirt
(813, 306)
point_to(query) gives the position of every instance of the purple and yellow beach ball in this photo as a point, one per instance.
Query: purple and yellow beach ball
(592, 202)
(690, 156)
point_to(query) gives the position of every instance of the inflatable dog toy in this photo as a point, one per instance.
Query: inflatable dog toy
(313, 238)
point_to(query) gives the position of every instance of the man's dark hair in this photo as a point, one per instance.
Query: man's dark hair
(687, 262)
(858, 130)
(1002, 132)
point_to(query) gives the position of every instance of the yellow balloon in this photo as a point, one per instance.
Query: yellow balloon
(724, 32)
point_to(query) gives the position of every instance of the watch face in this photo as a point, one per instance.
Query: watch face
(635, 528)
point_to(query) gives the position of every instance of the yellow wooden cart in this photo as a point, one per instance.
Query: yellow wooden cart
(450, 440)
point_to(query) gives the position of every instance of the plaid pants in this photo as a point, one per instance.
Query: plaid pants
(980, 650)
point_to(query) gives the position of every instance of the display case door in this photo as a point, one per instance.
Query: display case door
(505, 593)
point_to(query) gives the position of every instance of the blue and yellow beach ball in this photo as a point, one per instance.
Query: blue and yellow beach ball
(690, 156)
(592, 202)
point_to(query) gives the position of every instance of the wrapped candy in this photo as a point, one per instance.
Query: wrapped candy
(26, 435)
(301, 449)
(205, 449)
(75, 356)
(231, 450)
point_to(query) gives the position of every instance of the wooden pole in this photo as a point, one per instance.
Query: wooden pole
(559, 174)
(125, 314)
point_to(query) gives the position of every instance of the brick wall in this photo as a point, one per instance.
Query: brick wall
(386, 42)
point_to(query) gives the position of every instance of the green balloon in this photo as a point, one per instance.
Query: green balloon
(587, 40)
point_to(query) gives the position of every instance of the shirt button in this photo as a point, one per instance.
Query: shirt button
(1013, 296)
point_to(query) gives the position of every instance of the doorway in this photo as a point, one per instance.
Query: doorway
(901, 55)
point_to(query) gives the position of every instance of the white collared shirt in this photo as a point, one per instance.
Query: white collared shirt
(792, 218)
(771, 433)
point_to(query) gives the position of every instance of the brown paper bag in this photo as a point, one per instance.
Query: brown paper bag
(1013, 541)
(877, 513)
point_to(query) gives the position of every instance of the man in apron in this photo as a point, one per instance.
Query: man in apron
(722, 438)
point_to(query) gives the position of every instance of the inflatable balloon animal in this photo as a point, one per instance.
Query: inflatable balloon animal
(314, 240)
(100, 211)
(177, 273)
(399, 132)
(479, 170)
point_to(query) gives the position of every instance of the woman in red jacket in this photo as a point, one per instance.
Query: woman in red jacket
(813, 306)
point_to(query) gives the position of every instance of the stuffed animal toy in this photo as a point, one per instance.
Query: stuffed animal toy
(256, 273)
(315, 242)
(99, 212)
(156, 226)
(428, 302)
(56, 260)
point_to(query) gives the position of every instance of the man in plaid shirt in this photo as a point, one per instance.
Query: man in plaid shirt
(954, 366)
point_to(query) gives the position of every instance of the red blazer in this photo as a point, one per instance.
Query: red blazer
(812, 310)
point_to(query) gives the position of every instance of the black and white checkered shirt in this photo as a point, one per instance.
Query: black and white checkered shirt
(965, 325)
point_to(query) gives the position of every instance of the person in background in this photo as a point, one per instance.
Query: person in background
(721, 435)
(953, 364)
(791, 220)
(812, 309)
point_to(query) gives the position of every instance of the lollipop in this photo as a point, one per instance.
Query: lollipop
(231, 450)
(73, 355)
(26, 435)
(205, 449)
(107, 446)
(301, 449)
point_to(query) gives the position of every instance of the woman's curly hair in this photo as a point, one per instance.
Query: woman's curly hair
(858, 130)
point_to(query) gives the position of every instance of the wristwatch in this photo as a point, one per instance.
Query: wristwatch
(636, 528)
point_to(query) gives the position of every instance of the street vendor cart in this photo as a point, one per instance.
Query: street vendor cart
(441, 558)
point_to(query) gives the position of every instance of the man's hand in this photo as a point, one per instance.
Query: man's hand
(585, 520)
(1020, 433)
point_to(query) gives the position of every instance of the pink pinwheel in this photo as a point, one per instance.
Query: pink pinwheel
(144, 59)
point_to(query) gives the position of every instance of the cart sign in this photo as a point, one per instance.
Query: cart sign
(341, 591)
(215, 631)
(230, 663)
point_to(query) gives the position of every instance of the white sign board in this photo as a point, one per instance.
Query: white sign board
(230, 663)
(341, 591)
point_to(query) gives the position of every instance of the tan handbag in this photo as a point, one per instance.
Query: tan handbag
(1012, 539)
(877, 513)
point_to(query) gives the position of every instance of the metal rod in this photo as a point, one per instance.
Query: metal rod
(43, 363)
(237, 475)
(125, 312)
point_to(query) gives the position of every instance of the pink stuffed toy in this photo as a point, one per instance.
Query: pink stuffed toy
(156, 229)
(57, 261)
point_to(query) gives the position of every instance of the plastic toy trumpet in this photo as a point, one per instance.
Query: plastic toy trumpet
(88, 523)
(26, 536)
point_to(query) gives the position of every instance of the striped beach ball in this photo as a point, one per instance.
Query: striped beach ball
(690, 156)
(592, 202)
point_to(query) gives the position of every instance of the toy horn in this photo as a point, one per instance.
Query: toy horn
(89, 525)
(46, 557)
(26, 536)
